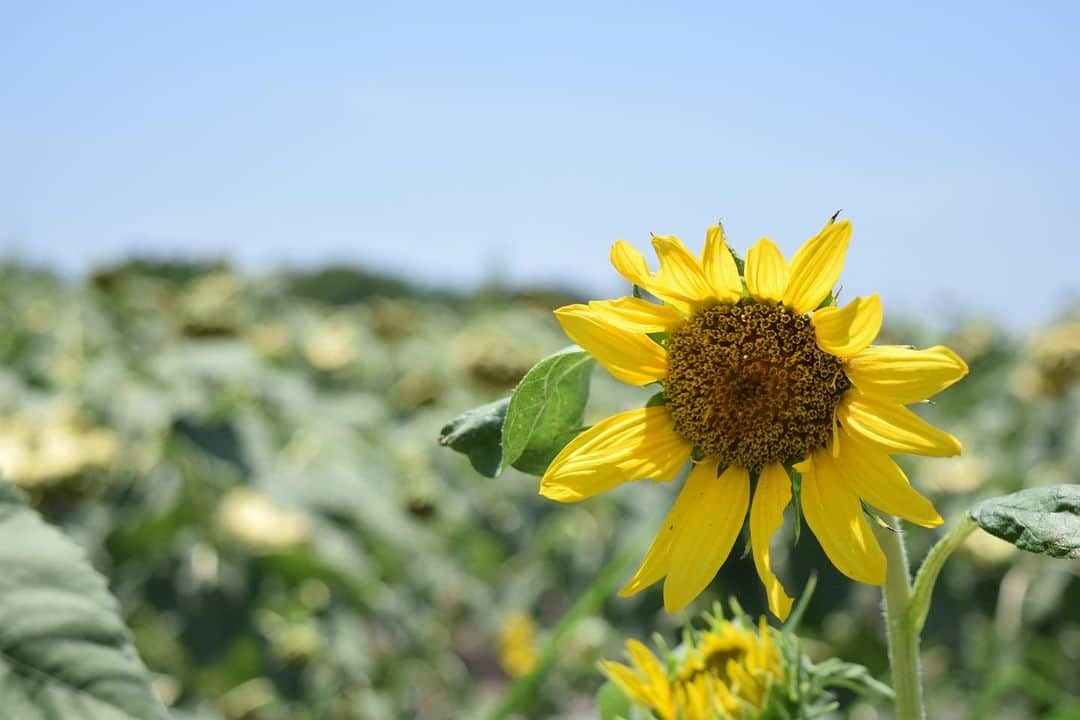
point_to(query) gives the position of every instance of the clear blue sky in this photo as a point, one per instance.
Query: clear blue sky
(456, 142)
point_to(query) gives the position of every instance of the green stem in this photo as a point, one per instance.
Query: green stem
(519, 693)
(931, 567)
(902, 637)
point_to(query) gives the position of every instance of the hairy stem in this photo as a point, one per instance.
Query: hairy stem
(902, 637)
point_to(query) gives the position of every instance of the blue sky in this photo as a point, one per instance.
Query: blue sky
(460, 142)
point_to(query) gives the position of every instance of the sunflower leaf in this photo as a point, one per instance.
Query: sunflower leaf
(478, 434)
(611, 702)
(64, 651)
(546, 410)
(1043, 520)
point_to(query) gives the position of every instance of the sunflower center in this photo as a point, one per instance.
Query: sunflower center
(749, 385)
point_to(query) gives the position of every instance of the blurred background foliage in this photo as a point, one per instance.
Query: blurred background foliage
(252, 463)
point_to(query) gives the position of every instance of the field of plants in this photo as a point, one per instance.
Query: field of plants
(252, 464)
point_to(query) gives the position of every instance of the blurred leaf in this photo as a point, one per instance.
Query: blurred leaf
(218, 439)
(546, 410)
(478, 434)
(64, 652)
(1043, 520)
(612, 703)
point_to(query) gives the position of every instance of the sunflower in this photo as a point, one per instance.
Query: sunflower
(725, 673)
(762, 373)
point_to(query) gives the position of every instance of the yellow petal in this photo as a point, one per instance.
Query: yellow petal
(845, 331)
(629, 446)
(772, 495)
(630, 357)
(647, 663)
(628, 681)
(894, 427)
(816, 267)
(766, 271)
(717, 507)
(904, 375)
(680, 276)
(636, 315)
(719, 266)
(655, 563)
(872, 475)
(630, 263)
(835, 515)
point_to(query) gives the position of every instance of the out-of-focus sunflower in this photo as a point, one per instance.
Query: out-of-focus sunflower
(725, 673)
(517, 645)
(761, 372)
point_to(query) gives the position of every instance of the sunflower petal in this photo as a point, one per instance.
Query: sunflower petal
(630, 263)
(680, 276)
(904, 375)
(709, 528)
(720, 268)
(835, 515)
(766, 271)
(628, 681)
(772, 495)
(846, 331)
(630, 357)
(894, 427)
(647, 663)
(876, 478)
(629, 446)
(654, 565)
(636, 315)
(816, 267)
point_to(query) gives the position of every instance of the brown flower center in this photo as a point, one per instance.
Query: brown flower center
(749, 385)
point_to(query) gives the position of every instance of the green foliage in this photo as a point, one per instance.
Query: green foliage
(612, 703)
(528, 429)
(1043, 520)
(478, 433)
(546, 410)
(252, 467)
(64, 651)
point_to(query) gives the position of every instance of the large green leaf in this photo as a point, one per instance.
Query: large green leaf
(546, 410)
(1044, 520)
(64, 651)
(478, 434)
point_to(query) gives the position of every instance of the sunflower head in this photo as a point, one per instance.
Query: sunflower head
(763, 374)
(732, 669)
(748, 384)
(517, 645)
(724, 671)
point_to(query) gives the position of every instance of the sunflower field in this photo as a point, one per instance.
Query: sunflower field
(227, 496)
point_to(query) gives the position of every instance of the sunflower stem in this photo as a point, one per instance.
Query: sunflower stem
(927, 576)
(903, 639)
(521, 691)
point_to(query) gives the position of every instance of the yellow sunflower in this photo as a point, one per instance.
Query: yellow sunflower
(761, 372)
(725, 673)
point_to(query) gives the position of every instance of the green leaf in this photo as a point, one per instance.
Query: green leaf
(1044, 520)
(546, 410)
(611, 702)
(64, 651)
(478, 434)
